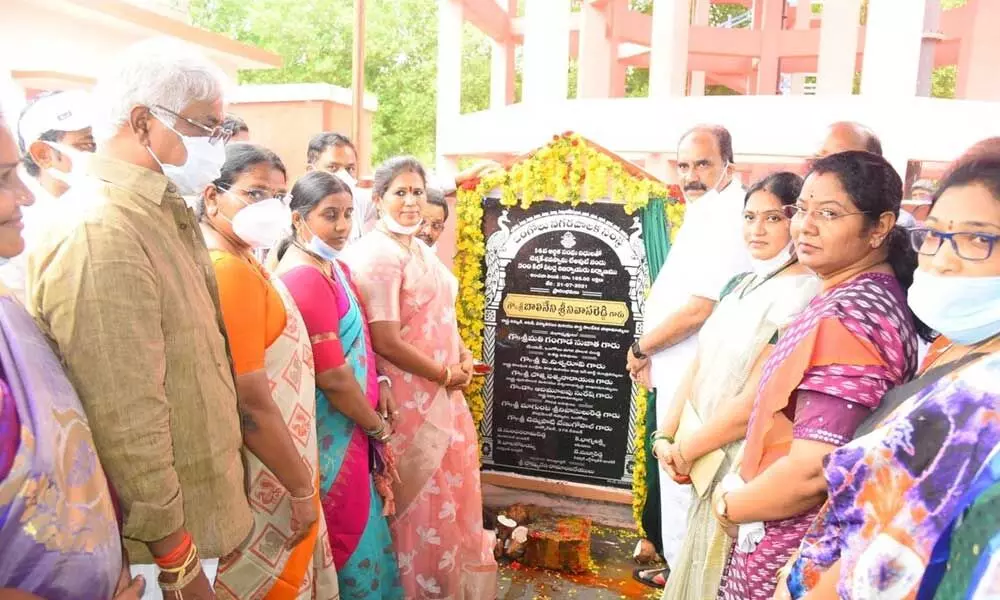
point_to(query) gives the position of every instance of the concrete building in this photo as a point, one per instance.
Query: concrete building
(49, 45)
(793, 64)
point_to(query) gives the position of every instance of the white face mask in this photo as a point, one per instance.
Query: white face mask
(262, 224)
(346, 178)
(763, 268)
(78, 164)
(202, 167)
(712, 190)
(966, 310)
(395, 227)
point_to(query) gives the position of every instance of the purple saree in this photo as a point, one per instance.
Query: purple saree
(58, 532)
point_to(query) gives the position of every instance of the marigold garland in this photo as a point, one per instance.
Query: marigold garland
(567, 170)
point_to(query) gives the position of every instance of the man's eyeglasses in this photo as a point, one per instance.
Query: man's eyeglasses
(434, 226)
(822, 215)
(215, 135)
(967, 245)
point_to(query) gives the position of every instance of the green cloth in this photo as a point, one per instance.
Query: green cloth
(656, 238)
(973, 544)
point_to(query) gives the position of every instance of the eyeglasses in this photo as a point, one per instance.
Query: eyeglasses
(968, 245)
(435, 226)
(215, 134)
(822, 215)
(258, 195)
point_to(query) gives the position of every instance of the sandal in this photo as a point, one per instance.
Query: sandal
(654, 578)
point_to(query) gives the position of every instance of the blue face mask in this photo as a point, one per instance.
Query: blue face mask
(966, 310)
(318, 247)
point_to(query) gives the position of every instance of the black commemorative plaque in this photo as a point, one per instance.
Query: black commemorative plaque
(564, 288)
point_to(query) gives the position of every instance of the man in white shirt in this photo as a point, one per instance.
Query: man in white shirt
(335, 153)
(706, 254)
(54, 136)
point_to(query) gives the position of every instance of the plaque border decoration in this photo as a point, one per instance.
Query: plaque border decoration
(570, 169)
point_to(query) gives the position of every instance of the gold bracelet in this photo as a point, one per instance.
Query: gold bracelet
(447, 376)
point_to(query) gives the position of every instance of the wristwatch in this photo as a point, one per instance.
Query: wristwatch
(637, 351)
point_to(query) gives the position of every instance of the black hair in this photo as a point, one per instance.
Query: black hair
(235, 124)
(783, 184)
(722, 137)
(388, 171)
(307, 193)
(241, 157)
(30, 166)
(876, 188)
(328, 139)
(435, 197)
(983, 169)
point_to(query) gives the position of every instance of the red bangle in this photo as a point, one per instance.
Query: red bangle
(177, 554)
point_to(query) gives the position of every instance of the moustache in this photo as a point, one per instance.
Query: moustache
(695, 187)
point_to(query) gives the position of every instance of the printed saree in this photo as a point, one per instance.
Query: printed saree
(353, 510)
(853, 342)
(744, 321)
(59, 538)
(442, 547)
(263, 566)
(893, 493)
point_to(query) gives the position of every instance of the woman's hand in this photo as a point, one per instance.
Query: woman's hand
(459, 379)
(305, 513)
(681, 466)
(387, 403)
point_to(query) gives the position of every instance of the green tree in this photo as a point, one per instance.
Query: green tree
(314, 37)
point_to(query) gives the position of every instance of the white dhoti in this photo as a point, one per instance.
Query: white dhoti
(668, 369)
(706, 254)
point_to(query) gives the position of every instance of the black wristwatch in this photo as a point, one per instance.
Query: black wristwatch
(636, 351)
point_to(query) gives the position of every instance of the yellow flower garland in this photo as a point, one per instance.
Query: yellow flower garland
(568, 170)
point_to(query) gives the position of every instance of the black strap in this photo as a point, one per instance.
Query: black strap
(899, 394)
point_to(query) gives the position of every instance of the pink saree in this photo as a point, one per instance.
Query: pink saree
(442, 548)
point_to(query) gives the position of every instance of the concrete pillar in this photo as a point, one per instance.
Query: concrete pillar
(932, 23)
(546, 50)
(803, 15)
(702, 14)
(838, 47)
(597, 53)
(980, 47)
(668, 56)
(772, 12)
(892, 48)
(449, 74)
(501, 73)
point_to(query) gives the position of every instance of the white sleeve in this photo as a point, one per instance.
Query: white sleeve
(722, 256)
(12, 276)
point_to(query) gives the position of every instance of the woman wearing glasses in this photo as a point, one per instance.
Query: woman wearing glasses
(894, 492)
(721, 383)
(245, 209)
(829, 368)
